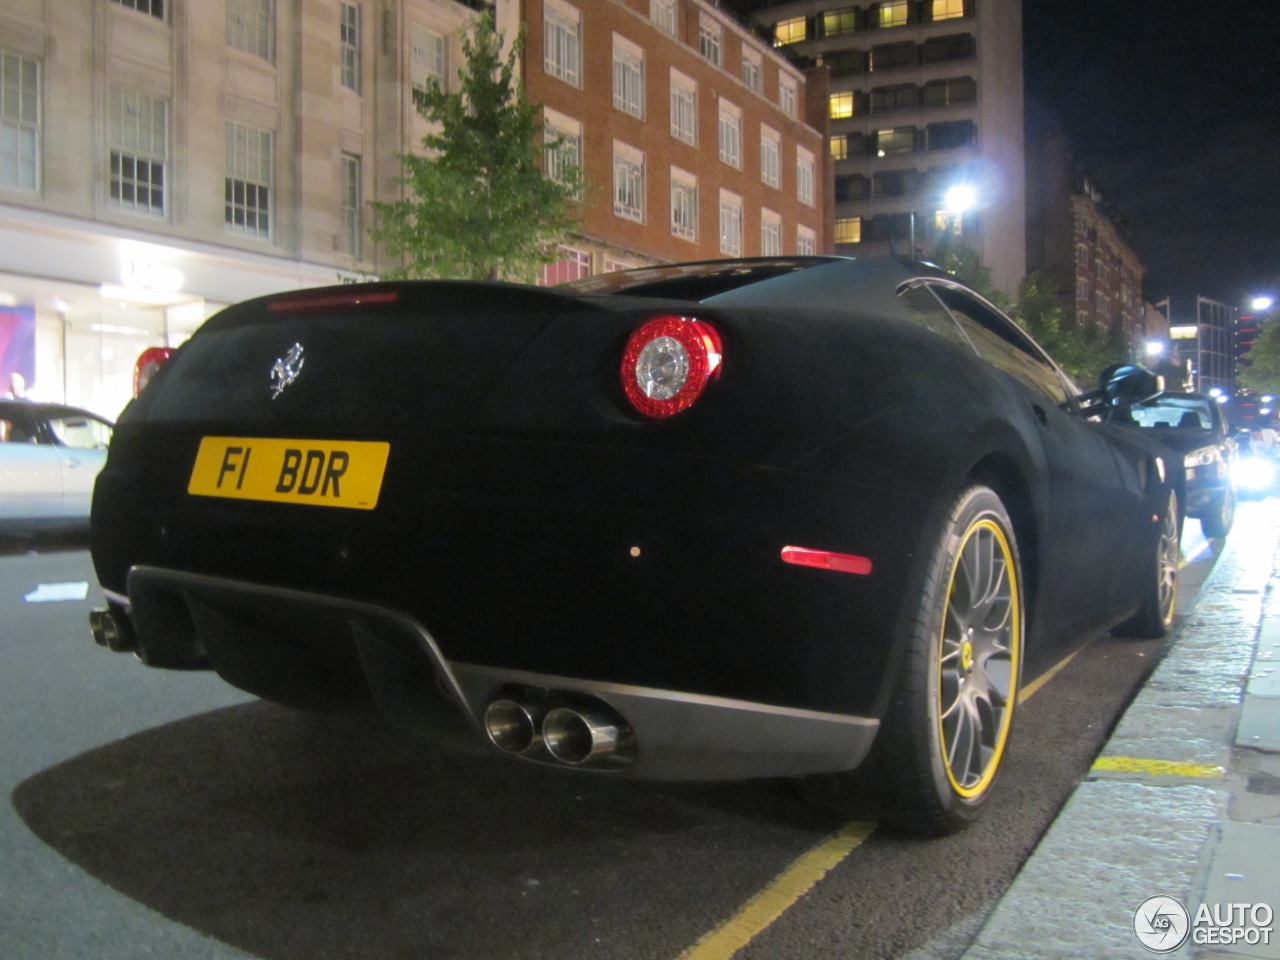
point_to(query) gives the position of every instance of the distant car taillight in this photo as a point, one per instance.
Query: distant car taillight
(151, 360)
(667, 363)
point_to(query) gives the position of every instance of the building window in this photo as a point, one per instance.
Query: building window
(839, 145)
(841, 104)
(849, 230)
(349, 43)
(836, 22)
(751, 67)
(946, 9)
(851, 187)
(787, 95)
(890, 183)
(351, 207)
(711, 39)
(804, 176)
(561, 144)
(949, 136)
(562, 42)
(770, 157)
(428, 59)
(895, 140)
(19, 122)
(628, 77)
(251, 27)
(152, 8)
(959, 46)
(573, 264)
(684, 204)
(662, 13)
(730, 134)
(941, 93)
(139, 151)
(770, 234)
(904, 96)
(628, 182)
(730, 224)
(792, 30)
(248, 182)
(892, 13)
(890, 56)
(684, 108)
(806, 242)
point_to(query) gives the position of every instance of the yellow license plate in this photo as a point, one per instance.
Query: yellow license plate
(322, 473)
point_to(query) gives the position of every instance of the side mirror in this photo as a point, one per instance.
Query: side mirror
(1124, 384)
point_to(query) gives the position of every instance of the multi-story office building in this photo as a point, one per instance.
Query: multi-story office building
(162, 158)
(925, 96)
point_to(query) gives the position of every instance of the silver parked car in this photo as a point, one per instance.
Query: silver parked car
(50, 455)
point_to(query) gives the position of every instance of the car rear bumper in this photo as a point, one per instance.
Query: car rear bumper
(317, 650)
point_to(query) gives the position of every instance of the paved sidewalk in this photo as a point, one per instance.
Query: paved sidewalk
(1184, 801)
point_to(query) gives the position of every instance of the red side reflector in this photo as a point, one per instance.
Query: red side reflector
(826, 560)
(356, 298)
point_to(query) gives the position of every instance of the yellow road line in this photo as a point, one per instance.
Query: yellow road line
(774, 900)
(1027, 692)
(1161, 768)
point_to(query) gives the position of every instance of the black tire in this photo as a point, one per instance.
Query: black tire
(1218, 520)
(943, 737)
(1158, 590)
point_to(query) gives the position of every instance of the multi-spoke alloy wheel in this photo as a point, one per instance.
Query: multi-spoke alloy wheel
(944, 733)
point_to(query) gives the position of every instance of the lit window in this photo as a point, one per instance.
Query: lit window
(896, 140)
(787, 95)
(139, 151)
(836, 22)
(628, 77)
(710, 39)
(684, 204)
(247, 200)
(770, 157)
(251, 27)
(790, 31)
(804, 176)
(730, 134)
(561, 144)
(947, 9)
(730, 224)
(663, 15)
(153, 8)
(839, 146)
(628, 182)
(349, 44)
(351, 206)
(684, 108)
(841, 104)
(562, 42)
(806, 241)
(770, 234)
(19, 122)
(428, 59)
(893, 13)
(751, 64)
(849, 230)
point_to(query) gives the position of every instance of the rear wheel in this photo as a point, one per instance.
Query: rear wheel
(944, 734)
(1158, 591)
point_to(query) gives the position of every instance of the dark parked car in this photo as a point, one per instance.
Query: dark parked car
(1194, 425)
(734, 519)
(50, 455)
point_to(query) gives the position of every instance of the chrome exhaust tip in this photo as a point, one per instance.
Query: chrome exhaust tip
(578, 736)
(511, 726)
(111, 630)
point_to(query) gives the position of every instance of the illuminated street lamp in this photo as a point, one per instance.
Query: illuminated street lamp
(1261, 303)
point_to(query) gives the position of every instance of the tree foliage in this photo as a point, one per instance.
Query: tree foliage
(1262, 369)
(478, 205)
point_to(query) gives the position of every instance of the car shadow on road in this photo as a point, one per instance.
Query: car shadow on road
(289, 834)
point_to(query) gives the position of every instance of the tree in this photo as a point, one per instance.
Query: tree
(478, 205)
(1263, 372)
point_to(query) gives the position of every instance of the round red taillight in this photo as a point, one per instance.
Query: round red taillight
(667, 363)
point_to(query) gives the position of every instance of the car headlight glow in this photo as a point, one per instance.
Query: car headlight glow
(1253, 473)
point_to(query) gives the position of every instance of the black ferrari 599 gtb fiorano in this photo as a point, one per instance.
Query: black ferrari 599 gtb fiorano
(733, 519)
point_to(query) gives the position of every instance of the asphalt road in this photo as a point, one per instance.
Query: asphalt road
(160, 814)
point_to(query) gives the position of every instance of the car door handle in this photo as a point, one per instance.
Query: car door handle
(72, 462)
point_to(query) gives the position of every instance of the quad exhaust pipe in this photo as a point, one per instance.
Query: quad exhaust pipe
(577, 734)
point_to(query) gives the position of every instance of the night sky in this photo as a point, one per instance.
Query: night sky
(1173, 110)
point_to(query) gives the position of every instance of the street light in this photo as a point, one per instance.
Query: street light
(1261, 303)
